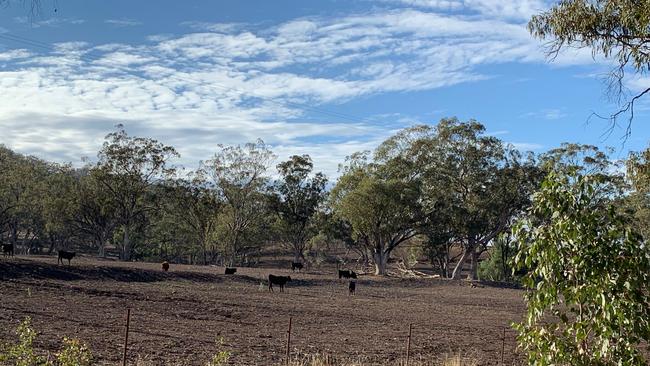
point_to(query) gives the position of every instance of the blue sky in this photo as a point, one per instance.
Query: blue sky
(326, 78)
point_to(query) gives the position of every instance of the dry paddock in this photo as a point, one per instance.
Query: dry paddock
(176, 316)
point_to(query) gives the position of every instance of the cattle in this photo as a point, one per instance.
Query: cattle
(352, 287)
(296, 266)
(8, 250)
(65, 255)
(231, 271)
(165, 266)
(347, 274)
(278, 280)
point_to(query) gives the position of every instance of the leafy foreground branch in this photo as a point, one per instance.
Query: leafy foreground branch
(588, 290)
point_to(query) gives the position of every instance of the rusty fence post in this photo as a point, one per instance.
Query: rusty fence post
(126, 335)
(289, 342)
(408, 345)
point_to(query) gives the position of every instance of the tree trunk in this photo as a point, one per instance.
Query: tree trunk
(381, 262)
(126, 245)
(459, 266)
(473, 268)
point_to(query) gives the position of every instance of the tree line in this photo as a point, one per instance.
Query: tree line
(450, 191)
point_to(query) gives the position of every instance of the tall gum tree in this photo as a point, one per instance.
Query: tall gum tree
(381, 208)
(297, 196)
(239, 177)
(471, 184)
(127, 169)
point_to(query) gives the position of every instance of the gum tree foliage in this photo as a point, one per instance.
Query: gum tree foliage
(638, 173)
(381, 207)
(188, 218)
(297, 196)
(471, 186)
(128, 168)
(238, 174)
(614, 29)
(94, 217)
(588, 293)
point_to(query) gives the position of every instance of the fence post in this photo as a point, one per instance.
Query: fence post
(503, 345)
(408, 345)
(288, 342)
(126, 335)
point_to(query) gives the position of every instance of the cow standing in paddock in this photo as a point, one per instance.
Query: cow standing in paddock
(347, 274)
(278, 280)
(296, 266)
(352, 287)
(65, 255)
(165, 266)
(8, 250)
(231, 271)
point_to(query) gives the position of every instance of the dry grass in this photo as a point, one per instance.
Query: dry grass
(324, 360)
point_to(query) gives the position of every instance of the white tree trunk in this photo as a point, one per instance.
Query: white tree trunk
(459, 266)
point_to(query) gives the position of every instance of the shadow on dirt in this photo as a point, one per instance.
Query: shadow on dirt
(18, 269)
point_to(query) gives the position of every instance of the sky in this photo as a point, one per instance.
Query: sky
(325, 78)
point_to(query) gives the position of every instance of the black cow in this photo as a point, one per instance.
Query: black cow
(278, 280)
(65, 255)
(352, 287)
(296, 266)
(230, 271)
(347, 274)
(8, 250)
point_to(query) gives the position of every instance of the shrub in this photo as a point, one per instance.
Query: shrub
(589, 286)
(22, 353)
(222, 356)
(74, 353)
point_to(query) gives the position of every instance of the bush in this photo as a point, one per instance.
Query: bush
(222, 356)
(22, 353)
(589, 286)
(73, 353)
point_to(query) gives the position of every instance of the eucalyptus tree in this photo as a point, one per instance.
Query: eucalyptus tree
(191, 207)
(588, 288)
(472, 185)
(614, 29)
(58, 206)
(381, 207)
(95, 214)
(638, 174)
(297, 196)
(127, 169)
(239, 177)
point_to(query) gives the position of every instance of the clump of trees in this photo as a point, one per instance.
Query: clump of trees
(449, 190)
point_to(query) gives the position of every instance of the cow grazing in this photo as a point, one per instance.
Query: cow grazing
(231, 271)
(296, 266)
(8, 250)
(352, 287)
(65, 255)
(165, 266)
(278, 280)
(347, 274)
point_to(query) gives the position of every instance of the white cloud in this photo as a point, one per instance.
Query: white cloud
(514, 9)
(229, 84)
(551, 114)
(123, 22)
(50, 22)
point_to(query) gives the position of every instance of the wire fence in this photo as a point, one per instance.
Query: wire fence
(408, 336)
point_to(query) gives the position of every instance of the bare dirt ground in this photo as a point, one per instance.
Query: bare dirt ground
(176, 316)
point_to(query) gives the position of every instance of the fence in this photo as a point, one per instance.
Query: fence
(409, 341)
